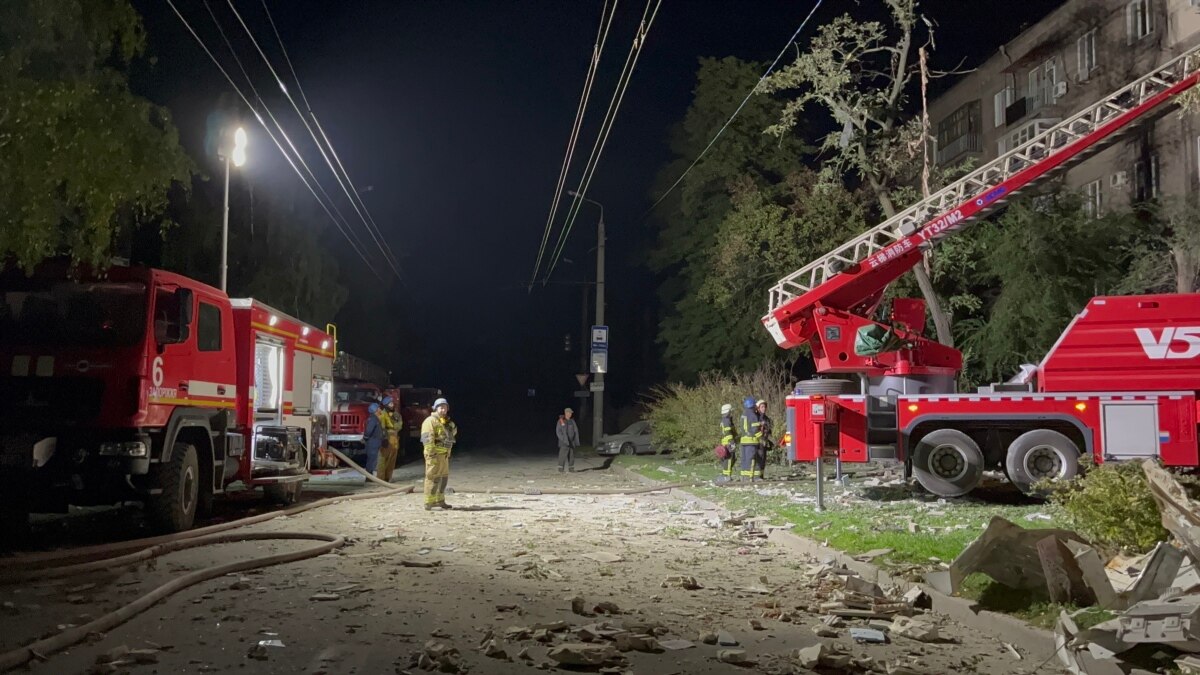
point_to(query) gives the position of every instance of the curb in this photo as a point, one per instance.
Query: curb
(1033, 642)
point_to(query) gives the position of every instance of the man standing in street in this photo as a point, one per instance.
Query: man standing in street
(438, 435)
(568, 440)
(391, 446)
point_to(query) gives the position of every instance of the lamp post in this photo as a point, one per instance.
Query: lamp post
(598, 400)
(238, 157)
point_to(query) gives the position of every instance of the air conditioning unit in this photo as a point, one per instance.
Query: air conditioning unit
(1119, 179)
(1060, 89)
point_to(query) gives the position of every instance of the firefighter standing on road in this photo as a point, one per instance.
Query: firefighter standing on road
(438, 434)
(373, 437)
(752, 439)
(768, 428)
(727, 430)
(391, 445)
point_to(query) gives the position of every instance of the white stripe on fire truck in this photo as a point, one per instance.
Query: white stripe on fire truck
(211, 389)
(20, 365)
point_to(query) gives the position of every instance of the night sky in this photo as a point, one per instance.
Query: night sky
(458, 113)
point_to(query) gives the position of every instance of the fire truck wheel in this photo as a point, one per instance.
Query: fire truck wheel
(174, 508)
(947, 463)
(282, 493)
(1041, 455)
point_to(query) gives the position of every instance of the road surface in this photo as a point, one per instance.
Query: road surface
(504, 565)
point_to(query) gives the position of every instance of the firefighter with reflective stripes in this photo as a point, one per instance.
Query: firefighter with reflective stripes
(754, 423)
(391, 443)
(727, 432)
(438, 435)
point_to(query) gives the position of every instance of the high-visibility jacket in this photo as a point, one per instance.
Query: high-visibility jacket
(752, 427)
(437, 434)
(726, 429)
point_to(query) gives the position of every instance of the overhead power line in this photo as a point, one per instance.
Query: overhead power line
(328, 143)
(725, 126)
(324, 155)
(589, 81)
(610, 117)
(271, 135)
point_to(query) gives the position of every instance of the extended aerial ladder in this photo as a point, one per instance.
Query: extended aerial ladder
(827, 304)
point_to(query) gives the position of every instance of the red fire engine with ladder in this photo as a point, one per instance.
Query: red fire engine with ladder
(1121, 382)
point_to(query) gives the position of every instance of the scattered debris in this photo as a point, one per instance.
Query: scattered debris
(684, 582)
(626, 642)
(868, 636)
(582, 654)
(324, 597)
(914, 629)
(676, 645)
(872, 554)
(734, 656)
(1005, 552)
(604, 557)
(726, 639)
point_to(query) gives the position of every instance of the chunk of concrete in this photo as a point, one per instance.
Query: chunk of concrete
(1005, 552)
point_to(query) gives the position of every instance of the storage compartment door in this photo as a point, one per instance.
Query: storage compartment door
(302, 382)
(1130, 429)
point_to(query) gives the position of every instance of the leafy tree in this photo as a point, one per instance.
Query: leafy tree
(1166, 257)
(1034, 268)
(860, 75)
(82, 154)
(694, 337)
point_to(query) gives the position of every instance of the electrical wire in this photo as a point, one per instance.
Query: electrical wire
(271, 135)
(283, 88)
(589, 82)
(307, 106)
(606, 128)
(279, 127)
(725, 126)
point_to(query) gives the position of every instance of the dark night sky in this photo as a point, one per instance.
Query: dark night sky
(458, 113)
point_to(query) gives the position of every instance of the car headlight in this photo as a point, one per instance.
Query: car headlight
(130, 449)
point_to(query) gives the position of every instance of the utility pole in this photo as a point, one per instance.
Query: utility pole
(225, 231)
(598, 402)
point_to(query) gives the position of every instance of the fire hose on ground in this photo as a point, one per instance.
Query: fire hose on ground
(62, 564)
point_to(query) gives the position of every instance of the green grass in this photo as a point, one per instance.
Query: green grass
(879, 518)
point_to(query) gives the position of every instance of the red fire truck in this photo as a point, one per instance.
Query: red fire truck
(140, 384)
(1120, 383)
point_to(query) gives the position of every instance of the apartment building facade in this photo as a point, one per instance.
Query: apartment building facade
(1073, 57)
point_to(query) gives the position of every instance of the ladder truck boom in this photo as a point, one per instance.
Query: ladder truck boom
(852, 277)
(1122, 382)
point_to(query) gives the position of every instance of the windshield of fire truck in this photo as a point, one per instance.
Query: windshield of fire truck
(65, 314)
(363, 395)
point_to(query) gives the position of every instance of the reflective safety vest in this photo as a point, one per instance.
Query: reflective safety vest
(437, 434)
(726, 429)
(752, 428)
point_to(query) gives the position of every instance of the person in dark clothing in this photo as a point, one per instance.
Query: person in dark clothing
(754, 440)
(373, 437)
(568, 439)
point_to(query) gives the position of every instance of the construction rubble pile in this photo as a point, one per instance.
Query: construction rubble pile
(1153, 600)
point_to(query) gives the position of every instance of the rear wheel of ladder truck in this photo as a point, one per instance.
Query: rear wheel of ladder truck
(1040, 456)
(173, 508)
(947, 463)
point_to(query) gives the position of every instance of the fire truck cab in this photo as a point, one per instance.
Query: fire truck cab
(141, 384)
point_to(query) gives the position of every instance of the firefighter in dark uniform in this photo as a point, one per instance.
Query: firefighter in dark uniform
(752, 439)
(731, 450)
(767, 426)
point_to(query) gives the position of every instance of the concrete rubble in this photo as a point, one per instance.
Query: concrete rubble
(1154, 598)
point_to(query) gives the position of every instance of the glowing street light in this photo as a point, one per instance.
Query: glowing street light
(238, 157)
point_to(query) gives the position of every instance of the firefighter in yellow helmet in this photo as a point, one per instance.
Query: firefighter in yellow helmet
(438, 434)
(391, 442)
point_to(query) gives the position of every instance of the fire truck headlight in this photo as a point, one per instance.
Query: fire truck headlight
(134, 449)
(1081, 406)
(912, 407)
(109, 449)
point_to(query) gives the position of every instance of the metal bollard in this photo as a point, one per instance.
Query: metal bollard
(820, 487)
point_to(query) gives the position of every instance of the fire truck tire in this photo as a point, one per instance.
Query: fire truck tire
(282, 493)
(174, 508)
(947, 463)
(1040, 455)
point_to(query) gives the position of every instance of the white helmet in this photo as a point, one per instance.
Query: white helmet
(726, 409)
(440, 402)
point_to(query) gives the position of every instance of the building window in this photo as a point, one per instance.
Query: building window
(1024, 134)
(1041, 85)
(1138, 20)
(1145, 177)
(960, 132)
(1093, 199)
(1086, 48)
(208, 328)
(1000, 102)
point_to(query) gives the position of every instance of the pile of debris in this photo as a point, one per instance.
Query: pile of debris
(1148, 606)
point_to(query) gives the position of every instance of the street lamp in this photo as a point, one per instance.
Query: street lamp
(238, 157)
(598, 401)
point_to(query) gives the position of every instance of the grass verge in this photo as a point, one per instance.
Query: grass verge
(920, 530)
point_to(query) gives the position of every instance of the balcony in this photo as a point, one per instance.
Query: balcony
(971, 142)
